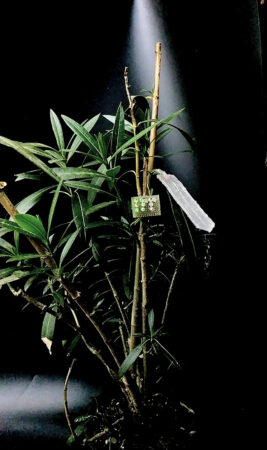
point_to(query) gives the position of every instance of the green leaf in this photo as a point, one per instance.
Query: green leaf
(103, 223)
(71, 173)
(16, 275)
(95, 250)
(83, 134)
(57, 129)
(48, 328)
(88, 125)
(33, 225)
(68, 246)
(12, 226)
(151, 320)
(130, 359)
(127, 125)
(31, 175)
(53, 206)
(112, 173)
(85, 186)
(118, 132)
(28, 154)
(69, 347)
(102, 205)
(28, 202)
(23, 256)
(79, 205)
(145, 131)
(102, 145)
(98, 183)
(7, 246)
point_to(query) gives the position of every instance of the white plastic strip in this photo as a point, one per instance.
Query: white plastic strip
(180, 194)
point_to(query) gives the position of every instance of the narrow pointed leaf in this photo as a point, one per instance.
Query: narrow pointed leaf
(102, 205)
(118, 132)
(68, 246)
(28, 154)
(145, 131)
(57, 129)
(48, 328)
(6, 245)
(23, 257)
(77, 141)
(31, 200)
(31, 175)
(85, 186)
(71, 173)
(32, 225)
(16, 275)
(53, 206)
(84, 135)
(130, 359)
(79, 206)
(13, 226)
(151, 319)
(127, 125)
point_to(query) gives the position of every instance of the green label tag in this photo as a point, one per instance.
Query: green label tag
(146, 206)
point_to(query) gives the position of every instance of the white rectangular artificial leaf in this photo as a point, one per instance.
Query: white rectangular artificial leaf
(180, 194)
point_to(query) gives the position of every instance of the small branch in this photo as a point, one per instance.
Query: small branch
(117, 300)
(102, 433)
(179, 261)
(59, 316)
(65, 396)
(137, 149)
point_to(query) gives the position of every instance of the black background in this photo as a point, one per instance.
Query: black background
(72, 61)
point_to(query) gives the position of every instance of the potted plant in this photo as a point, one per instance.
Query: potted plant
(107, 269)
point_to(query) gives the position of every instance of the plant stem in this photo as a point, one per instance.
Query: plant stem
(117, 299)
(65, 396)
(134, 124)
(136, 298)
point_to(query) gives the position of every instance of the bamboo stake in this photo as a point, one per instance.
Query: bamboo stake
(148, 167)
(155, 108)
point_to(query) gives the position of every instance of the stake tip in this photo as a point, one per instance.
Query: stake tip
(3, 184)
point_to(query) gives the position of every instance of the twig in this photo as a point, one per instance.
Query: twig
(59, 316)
(118, 302)
(179, 261)
(102, 433)
(136, 144)
(65, 396)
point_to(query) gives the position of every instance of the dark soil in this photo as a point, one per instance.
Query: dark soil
(163, 424)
